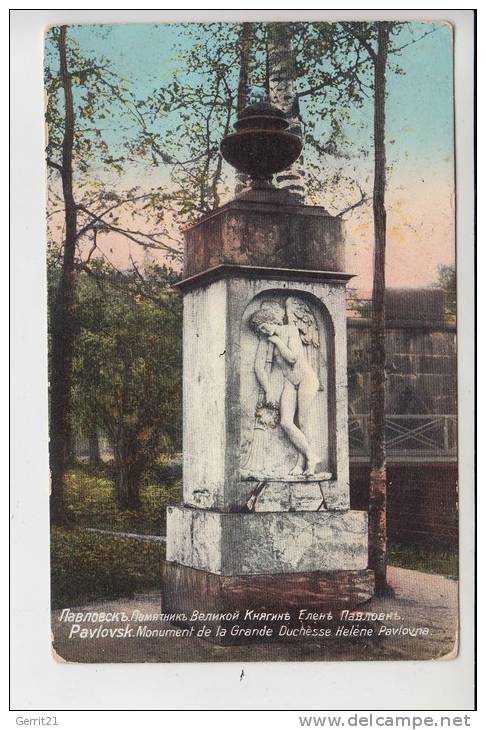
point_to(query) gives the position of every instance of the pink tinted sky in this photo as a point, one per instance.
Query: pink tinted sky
(420, 237)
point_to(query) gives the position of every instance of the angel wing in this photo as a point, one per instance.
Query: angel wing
(300, 314)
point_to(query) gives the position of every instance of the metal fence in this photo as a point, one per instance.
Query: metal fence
(407, 436)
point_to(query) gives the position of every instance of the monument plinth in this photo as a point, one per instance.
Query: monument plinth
(265, 519)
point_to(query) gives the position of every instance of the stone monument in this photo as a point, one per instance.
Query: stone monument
(265, 521)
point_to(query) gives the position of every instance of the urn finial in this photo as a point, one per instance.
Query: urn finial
(262, 144)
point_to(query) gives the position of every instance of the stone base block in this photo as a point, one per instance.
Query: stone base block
(308, 496)
(266, 543)
(200, 598)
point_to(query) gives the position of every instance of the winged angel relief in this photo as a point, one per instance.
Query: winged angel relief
(286, 368)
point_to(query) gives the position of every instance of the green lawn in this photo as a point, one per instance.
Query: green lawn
(91, 499)
(426, 561)
(87, 566)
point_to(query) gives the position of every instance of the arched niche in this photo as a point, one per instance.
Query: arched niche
(268, 449)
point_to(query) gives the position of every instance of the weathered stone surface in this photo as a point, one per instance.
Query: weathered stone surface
(204, 394)
(421, 367)
(265, 234)
(299, 497)
(243, 261)
(187, 589)
(288, 496)
(267, 542)
(217, 367)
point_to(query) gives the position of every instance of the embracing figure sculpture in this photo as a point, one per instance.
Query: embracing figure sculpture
(289, 354)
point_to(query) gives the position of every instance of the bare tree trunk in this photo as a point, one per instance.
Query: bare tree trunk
(246, 38)
(267, 66)
(70, 448)
(130, 467)
(377, 508)
(62, 330)
(281, 83)
(93, 447)
(128, 487)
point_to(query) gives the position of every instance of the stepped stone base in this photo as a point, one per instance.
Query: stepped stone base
(265, 543)
(186, 591)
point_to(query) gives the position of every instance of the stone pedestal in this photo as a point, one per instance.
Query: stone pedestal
(231, 543)
(245, 601)
(266, 516)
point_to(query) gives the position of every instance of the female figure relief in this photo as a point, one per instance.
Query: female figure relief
(291, 357)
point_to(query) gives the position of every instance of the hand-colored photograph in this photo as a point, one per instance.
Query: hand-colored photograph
(252, 341)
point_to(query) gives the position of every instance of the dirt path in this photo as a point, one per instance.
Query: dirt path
(421, 600)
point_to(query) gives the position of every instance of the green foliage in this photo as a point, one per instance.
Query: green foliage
(96, 90)
(354, 303)
(90, 496)
(103, 152)
(86, 566)
(334, 77)
(165, 470)
(179, 126)
(425, 561)
(447, 281)
(198, 104)
(198, 107)
(128, 363)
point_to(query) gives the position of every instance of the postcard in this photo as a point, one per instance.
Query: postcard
(252, 341)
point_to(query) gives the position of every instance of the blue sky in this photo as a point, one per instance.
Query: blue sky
(419, 136)
(419, 104)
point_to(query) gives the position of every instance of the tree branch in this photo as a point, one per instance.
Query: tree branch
(100, 214)
(410, 43)
(349, 27)
(132, 235)
(54, 165)
(363, 199)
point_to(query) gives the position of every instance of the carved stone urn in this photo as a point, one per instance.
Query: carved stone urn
(262, 144)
